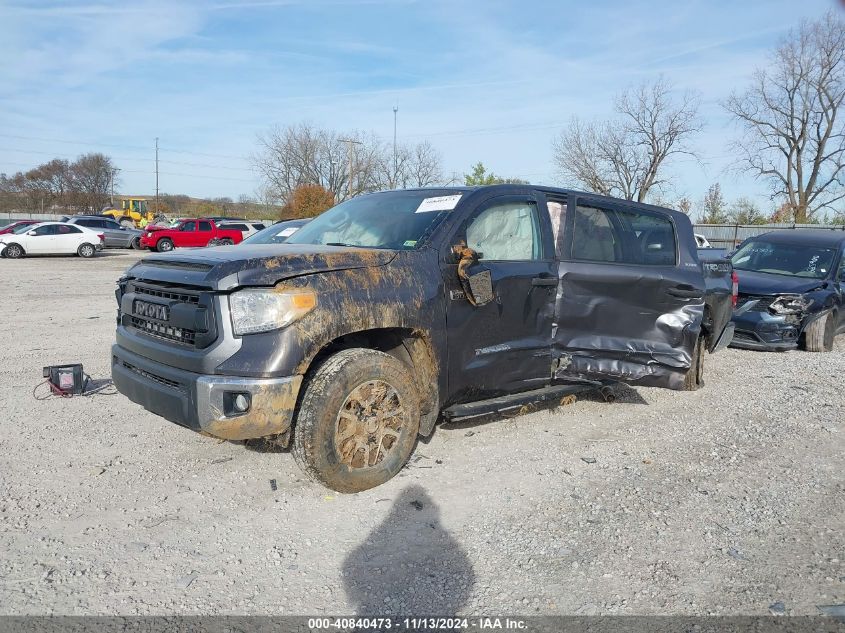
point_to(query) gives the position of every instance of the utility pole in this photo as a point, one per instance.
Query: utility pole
(350, 153)
(113, 174)
(395, 167)
(157, 207)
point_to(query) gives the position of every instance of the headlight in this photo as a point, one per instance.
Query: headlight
(790, 304)
(263, 309)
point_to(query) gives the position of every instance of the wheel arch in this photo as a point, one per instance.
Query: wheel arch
(412, 347)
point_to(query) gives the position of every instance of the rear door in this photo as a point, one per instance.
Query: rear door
(503, 346)
(115, 235)
(628, 307)
(204, 234)
(68, 238)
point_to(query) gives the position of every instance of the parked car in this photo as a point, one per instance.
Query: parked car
(51, 238)
(116, 235)
(10, 228)
(395, 309)
(247, 228)
(791, 290)
(193, 233)
(277, 233)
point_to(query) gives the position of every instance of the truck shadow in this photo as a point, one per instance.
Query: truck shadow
(409, 564)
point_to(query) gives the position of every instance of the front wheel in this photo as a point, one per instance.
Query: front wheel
(86, 250)
(694, 378)
(164, 245)
(819, 335)
(13, 251)
(358, 420)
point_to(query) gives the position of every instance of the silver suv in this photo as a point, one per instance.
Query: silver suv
(116, 235)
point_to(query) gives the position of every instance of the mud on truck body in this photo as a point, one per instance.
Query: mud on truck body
(395, 310)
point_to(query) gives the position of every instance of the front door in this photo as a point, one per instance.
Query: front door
(630, 301)
(503, 346)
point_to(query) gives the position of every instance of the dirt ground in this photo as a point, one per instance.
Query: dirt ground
(728, 500)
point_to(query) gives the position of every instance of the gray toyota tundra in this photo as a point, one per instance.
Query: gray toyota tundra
(395, 310)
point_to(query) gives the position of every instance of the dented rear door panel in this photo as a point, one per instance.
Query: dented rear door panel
(627, 322)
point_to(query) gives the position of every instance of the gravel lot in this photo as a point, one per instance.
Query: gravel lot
(723, 501)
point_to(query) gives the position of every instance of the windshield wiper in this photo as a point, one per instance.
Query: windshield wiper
(343, 244)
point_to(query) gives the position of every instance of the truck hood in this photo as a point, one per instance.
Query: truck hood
(752, 283)
(228, 267)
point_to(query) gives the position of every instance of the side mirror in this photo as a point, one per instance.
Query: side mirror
(31, 233)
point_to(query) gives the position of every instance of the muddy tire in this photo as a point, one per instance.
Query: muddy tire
(164, 245)
(357, 421)
(13, 251)
(86, 250)
(819, 335)
(694, 378)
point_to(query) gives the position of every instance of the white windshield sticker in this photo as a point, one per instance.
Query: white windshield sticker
(440, 203)
(287, 232)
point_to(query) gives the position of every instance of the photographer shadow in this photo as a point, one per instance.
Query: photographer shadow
(409, 565)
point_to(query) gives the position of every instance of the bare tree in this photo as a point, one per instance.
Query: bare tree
(793, 130)
(91, 178)
(626, 156)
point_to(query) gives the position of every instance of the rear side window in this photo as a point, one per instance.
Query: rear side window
(88, 223)
(63, 229)
(629, 237)
(235, 227)
(205, 226)
(259, 226)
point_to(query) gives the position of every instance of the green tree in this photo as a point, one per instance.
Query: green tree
(713, 206)
(480, 176)
(744, 211)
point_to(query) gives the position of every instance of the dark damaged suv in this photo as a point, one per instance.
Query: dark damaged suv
(791, 290)
(394, 310)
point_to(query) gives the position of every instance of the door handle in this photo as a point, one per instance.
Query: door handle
(684, 291)
(544, 281)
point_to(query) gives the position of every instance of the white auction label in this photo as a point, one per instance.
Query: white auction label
(287, 232)
(440, 203)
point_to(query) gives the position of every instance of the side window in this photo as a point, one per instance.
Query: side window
(630, 237)
(49, 229)
(189, 226)
(654, 235)
(594, 238)
(88, 223)
(64, 229)
(259, 226)
(205, 226)
(508, 231)
(108, 224)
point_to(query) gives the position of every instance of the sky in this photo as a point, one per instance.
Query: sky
(488, 80)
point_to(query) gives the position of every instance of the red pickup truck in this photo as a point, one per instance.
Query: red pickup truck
(190, 233)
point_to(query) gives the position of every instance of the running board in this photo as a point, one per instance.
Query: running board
(505, 404)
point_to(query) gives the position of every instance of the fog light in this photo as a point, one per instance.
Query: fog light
(241, 402)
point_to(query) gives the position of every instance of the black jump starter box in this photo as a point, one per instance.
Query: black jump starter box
(68, 379)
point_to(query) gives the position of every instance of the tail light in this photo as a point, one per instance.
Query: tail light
(102, 237)
(734, 287)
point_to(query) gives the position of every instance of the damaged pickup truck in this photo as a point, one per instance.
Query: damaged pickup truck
(394, 310)
(791, 290)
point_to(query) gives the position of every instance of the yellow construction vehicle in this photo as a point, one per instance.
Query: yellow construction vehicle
(131, 212)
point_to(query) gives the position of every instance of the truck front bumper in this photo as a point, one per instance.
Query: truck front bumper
(206, 403)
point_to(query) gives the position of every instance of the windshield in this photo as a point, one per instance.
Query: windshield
(794, 260)
(276, 234)
(392, 220)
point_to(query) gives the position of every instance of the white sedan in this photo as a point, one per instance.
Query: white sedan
(51, 238)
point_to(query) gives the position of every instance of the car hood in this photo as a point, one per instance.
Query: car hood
(752, 283)
(228, 267)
